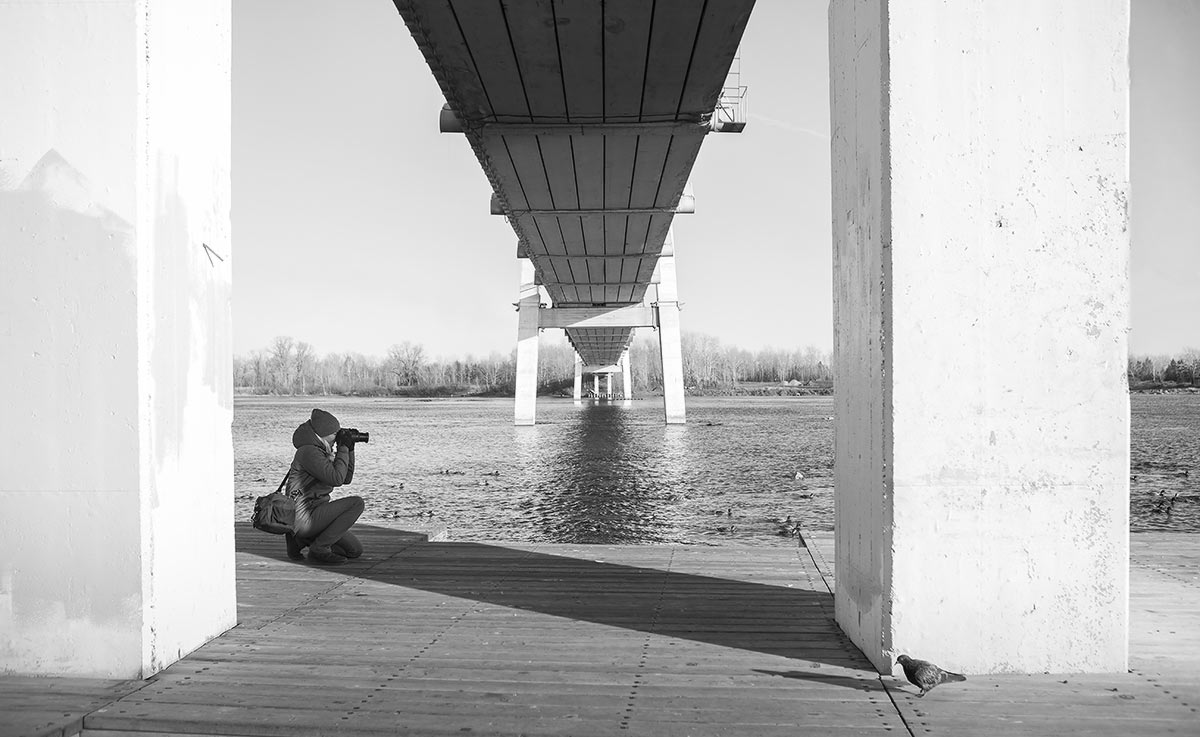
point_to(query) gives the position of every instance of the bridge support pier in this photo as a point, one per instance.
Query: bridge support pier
(981, 256)
(525, 406)
(669, 343)
(578, 390)
(626, 377)
(115, 292)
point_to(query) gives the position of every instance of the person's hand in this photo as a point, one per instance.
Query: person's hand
(344, 439)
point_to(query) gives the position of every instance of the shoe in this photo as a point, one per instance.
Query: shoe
(339, 550)
(325, 557)
(294, 548)
(295, 545)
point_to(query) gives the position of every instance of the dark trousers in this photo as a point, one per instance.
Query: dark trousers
(325, 524)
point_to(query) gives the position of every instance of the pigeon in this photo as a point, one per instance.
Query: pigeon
(925, 675)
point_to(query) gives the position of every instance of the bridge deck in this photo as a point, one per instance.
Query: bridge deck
(457, 638)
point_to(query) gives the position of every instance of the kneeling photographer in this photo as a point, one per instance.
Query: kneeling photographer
(324, 460)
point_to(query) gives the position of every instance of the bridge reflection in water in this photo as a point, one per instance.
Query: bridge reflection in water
(605, 484)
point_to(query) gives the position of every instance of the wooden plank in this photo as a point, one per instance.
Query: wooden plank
(681, 155)
(435, 29)
(717, 42)
(579, 26)
(505, 173)
(559, 162)
(526, 159)
(648, 173)
(672, 39)
(533, 30)
(588, 155)
(626, 39)
(619, 156)
(484, 30)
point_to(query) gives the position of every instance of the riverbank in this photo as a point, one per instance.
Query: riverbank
(744, 389)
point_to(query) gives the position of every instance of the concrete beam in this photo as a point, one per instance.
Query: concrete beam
(596, 283)
(981, 236)
(449, 122)
(636, 316)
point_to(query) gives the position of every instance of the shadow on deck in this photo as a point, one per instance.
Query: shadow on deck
(787, 613)
(428, 638)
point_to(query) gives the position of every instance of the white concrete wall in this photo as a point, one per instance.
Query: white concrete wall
(859, 261)
(1000, 267)
(114, 167)
(185, 326)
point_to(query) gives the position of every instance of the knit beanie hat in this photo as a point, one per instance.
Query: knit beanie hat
(324, 423)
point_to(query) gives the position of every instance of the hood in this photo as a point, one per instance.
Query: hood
(305, 435)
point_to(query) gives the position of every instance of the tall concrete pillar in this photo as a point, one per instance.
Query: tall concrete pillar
(596, 385)
(525, 406)
(626, 377)
(669, 343)
(578, 391)
(981, 255)
(116, 333)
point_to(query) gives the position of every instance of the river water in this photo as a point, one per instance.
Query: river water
(617, 474)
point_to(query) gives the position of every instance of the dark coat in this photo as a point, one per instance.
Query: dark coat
(315, 469)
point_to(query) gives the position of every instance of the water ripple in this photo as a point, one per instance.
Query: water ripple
(740, 471)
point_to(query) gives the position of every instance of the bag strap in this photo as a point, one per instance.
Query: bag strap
(303, 488)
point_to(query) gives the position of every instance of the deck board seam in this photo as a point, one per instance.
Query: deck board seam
(475, 607)
(1167, 574)
(651, 630)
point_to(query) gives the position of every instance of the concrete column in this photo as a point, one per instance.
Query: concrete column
(626, 377)
(981, 253)
(669, 340)
(115, 302)
(596, 385)
(527, 346)
(578, 391)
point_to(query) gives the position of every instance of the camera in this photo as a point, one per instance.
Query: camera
(350, 435)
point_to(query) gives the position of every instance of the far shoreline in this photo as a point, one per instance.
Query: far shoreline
(741, 392)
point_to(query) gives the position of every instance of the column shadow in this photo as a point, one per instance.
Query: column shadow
(774, 620)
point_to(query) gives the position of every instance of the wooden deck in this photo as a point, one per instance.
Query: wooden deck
(431, 638)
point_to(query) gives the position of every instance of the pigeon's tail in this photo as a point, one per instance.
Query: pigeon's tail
(952, 677)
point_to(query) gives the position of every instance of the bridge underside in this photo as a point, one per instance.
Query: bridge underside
(586, 118)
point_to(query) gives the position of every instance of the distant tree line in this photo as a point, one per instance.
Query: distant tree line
(288, 366)
(1165, 372)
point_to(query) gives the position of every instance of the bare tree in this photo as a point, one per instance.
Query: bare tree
(404, 362)
(305, 363)
(281, 361)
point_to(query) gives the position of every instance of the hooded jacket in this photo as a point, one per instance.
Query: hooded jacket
(316, 470)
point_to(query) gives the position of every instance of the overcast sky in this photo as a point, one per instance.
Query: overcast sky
(357, 225)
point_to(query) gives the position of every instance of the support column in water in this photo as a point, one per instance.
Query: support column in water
(981, 293)
(577, 392)
(669, 343)
(626, 377)
(525, 406)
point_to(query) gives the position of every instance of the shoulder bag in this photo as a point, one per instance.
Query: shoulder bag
(276, 512)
